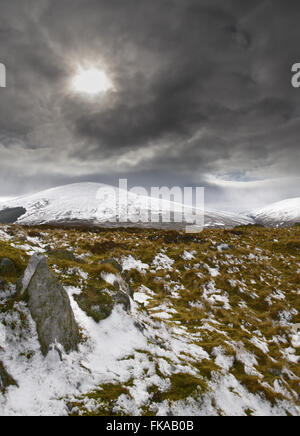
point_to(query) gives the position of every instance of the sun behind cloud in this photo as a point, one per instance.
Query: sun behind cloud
(91, 81)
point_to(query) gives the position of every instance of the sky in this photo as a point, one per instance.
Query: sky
(201, 95)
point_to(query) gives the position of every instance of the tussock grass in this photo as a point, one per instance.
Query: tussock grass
(258, 278)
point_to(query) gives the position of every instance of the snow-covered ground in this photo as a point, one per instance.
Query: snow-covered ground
(200, 332)
(286, 212)
(99, 204)
(96, 203)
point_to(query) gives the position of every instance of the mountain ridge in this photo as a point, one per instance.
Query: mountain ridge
(92, 203)
(281, 213)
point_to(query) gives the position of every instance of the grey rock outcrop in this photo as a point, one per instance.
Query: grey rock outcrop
(49, 305)
(24, 281)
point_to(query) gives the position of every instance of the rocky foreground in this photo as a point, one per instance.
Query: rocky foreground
(146, 322)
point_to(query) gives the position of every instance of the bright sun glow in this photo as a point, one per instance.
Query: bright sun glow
(91, 81)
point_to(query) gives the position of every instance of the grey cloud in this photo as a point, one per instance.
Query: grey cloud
(208, 80)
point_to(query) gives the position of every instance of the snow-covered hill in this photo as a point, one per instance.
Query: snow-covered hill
(93, 203)
(283, 213)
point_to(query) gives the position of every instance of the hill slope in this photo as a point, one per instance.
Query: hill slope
(94, 203)
(283, 213)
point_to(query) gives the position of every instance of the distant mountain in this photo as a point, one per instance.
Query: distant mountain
(95, 204)
(283, 213)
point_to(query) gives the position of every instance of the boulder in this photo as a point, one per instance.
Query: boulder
(7, 267)
(24, 281)
(96, 303)
(5, 379)
(49, 306)
(99, 303)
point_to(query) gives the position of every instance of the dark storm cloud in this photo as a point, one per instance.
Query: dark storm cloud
(202, 90)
